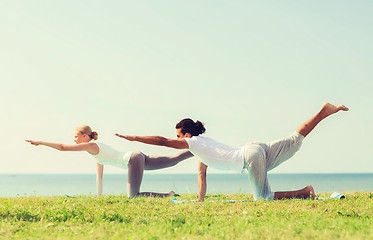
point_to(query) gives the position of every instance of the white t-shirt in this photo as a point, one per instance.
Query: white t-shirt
(215, 154)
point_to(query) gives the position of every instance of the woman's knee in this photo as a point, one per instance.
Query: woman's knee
(135, 170)
(136, 158)
(132, 195)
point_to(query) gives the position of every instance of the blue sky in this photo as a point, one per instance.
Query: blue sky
(249, 70)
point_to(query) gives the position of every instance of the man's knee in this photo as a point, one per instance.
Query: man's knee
(297, 140)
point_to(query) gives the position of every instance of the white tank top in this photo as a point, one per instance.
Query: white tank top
(109, 156)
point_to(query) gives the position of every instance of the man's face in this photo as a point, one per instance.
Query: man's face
(180, 135)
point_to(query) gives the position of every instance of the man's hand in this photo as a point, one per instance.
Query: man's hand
(129, 138)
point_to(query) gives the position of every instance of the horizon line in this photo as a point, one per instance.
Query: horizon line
(183, 173)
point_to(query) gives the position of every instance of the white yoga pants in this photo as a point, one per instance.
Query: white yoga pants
(262, 157)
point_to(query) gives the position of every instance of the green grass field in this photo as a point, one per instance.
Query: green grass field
(118, 217)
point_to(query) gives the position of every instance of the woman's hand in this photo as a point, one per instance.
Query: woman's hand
(36, 143)
(90, 147)
(129, 138)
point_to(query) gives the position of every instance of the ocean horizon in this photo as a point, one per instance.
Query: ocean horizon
(19, 185)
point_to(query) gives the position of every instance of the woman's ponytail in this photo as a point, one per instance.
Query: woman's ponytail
(94, 135)
(85, 129)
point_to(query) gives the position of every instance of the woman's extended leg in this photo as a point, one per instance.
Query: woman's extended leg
(159, 162)
(135, 173)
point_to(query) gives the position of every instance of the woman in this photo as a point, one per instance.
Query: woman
(136, 162)
(258, 158)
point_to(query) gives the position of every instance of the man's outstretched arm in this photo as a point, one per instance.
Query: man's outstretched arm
(202, 181)
(157, 140)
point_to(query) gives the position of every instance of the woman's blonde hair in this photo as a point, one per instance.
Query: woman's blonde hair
(85, 129)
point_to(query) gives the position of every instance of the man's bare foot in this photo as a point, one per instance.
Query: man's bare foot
(309, 192)
(326, 110)
(330, 109)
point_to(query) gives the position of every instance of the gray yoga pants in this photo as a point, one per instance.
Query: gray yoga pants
(263, 157)
(140, 162)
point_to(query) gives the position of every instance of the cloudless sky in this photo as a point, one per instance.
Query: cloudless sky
(250, 70)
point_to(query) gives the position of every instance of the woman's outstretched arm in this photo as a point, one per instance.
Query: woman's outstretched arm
(157, 140)
(99, 174)
(89, 147)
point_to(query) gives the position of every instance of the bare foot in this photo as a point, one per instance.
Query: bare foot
(330, 109)
(310, 192)
(171, 193)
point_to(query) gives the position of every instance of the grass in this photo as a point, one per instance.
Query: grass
(118, 217)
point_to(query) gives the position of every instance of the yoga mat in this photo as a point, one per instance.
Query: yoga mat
(334, 195)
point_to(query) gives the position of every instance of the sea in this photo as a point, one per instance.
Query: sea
(20, 185)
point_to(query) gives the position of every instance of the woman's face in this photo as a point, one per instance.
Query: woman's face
(180, 135)
(80, 137)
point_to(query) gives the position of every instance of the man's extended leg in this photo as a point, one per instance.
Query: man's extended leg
(326, 110)
(306, 192)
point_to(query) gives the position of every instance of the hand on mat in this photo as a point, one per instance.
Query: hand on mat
(36, 143)
(129, 138)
